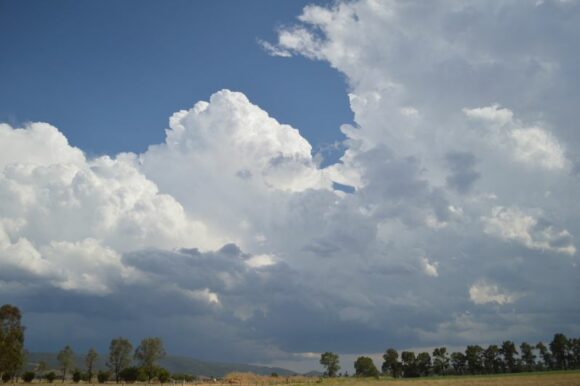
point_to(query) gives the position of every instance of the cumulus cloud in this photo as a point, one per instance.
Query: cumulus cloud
(483, 293)
(513, 224)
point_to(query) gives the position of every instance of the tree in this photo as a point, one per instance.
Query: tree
(440, 360)
(473, 358)
(391, 365)
(423, 363)
(331, 362)
(365, 367)
(90, 360)
(66, 360)
(546, 355)
(11, 340)
(559, 347)
(491, 359)
(41, 369)
(458, 361)
(409, 362)
(150, 350)
(528, 357)
(119, 356)
(509, 352)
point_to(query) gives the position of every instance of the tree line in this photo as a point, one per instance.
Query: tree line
(123, 363)
(561, 353)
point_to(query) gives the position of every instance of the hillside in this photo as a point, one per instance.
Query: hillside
(175, 364)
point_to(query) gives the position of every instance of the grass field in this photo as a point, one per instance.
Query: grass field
(563, 378)
(553, 378)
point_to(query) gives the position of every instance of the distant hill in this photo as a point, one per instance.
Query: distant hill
(175, 364)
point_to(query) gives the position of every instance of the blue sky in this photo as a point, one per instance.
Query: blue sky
(108, 74)
(160, 175)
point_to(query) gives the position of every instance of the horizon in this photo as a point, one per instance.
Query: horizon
(259, 182)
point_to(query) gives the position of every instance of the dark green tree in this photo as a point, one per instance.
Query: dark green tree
(364, 367)
(492, 362)
(546, 355)
(66, 360)
(440, 360)
(559, 347)
(149, 351)
(458, 362)
(11, 340)
(423, 364)
(90, 360)
(528, 357)
(509, 352)
(575, 352)
(473, 356)
(330, 361)
(391, 364)
(119, 356)
(409, 361)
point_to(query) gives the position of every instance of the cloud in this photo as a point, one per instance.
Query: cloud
(429, 268)
(513, 224)
(484, 293)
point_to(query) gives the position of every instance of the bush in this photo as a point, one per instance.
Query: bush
(163, 375)
(50, 377)
(129, 375)
(28, 376)
(77, 376)
(103, 376)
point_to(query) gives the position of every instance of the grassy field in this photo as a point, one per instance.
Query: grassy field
(563, 378)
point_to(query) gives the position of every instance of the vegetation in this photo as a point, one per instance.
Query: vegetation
(90, 360)
(330, 361)
(66, 360)
(147, 354)
(119, 356)
(11, 341)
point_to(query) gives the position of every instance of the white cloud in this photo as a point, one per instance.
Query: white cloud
(429, 268)
(513, 224)
(530, 145)
(484, 293)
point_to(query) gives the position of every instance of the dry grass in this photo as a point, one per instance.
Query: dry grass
(565, 378)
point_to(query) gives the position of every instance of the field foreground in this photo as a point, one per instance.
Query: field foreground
(530, 379)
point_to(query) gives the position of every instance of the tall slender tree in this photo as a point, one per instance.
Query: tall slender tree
(474, 360)
(119, 356)
(459, 362)
(440, 360)
(559, 347)
(90, 360)
(491, 359)
(149, 351)
(546, 355)
(11, 340)
(528, 357)
(66, 360)
(508, 351)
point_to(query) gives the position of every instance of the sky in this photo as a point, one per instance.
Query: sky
(265, 181)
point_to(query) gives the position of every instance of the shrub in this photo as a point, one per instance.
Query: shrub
(50, 377)
(163, 375)
(103, 376)
(77, 376)
(28, 376)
